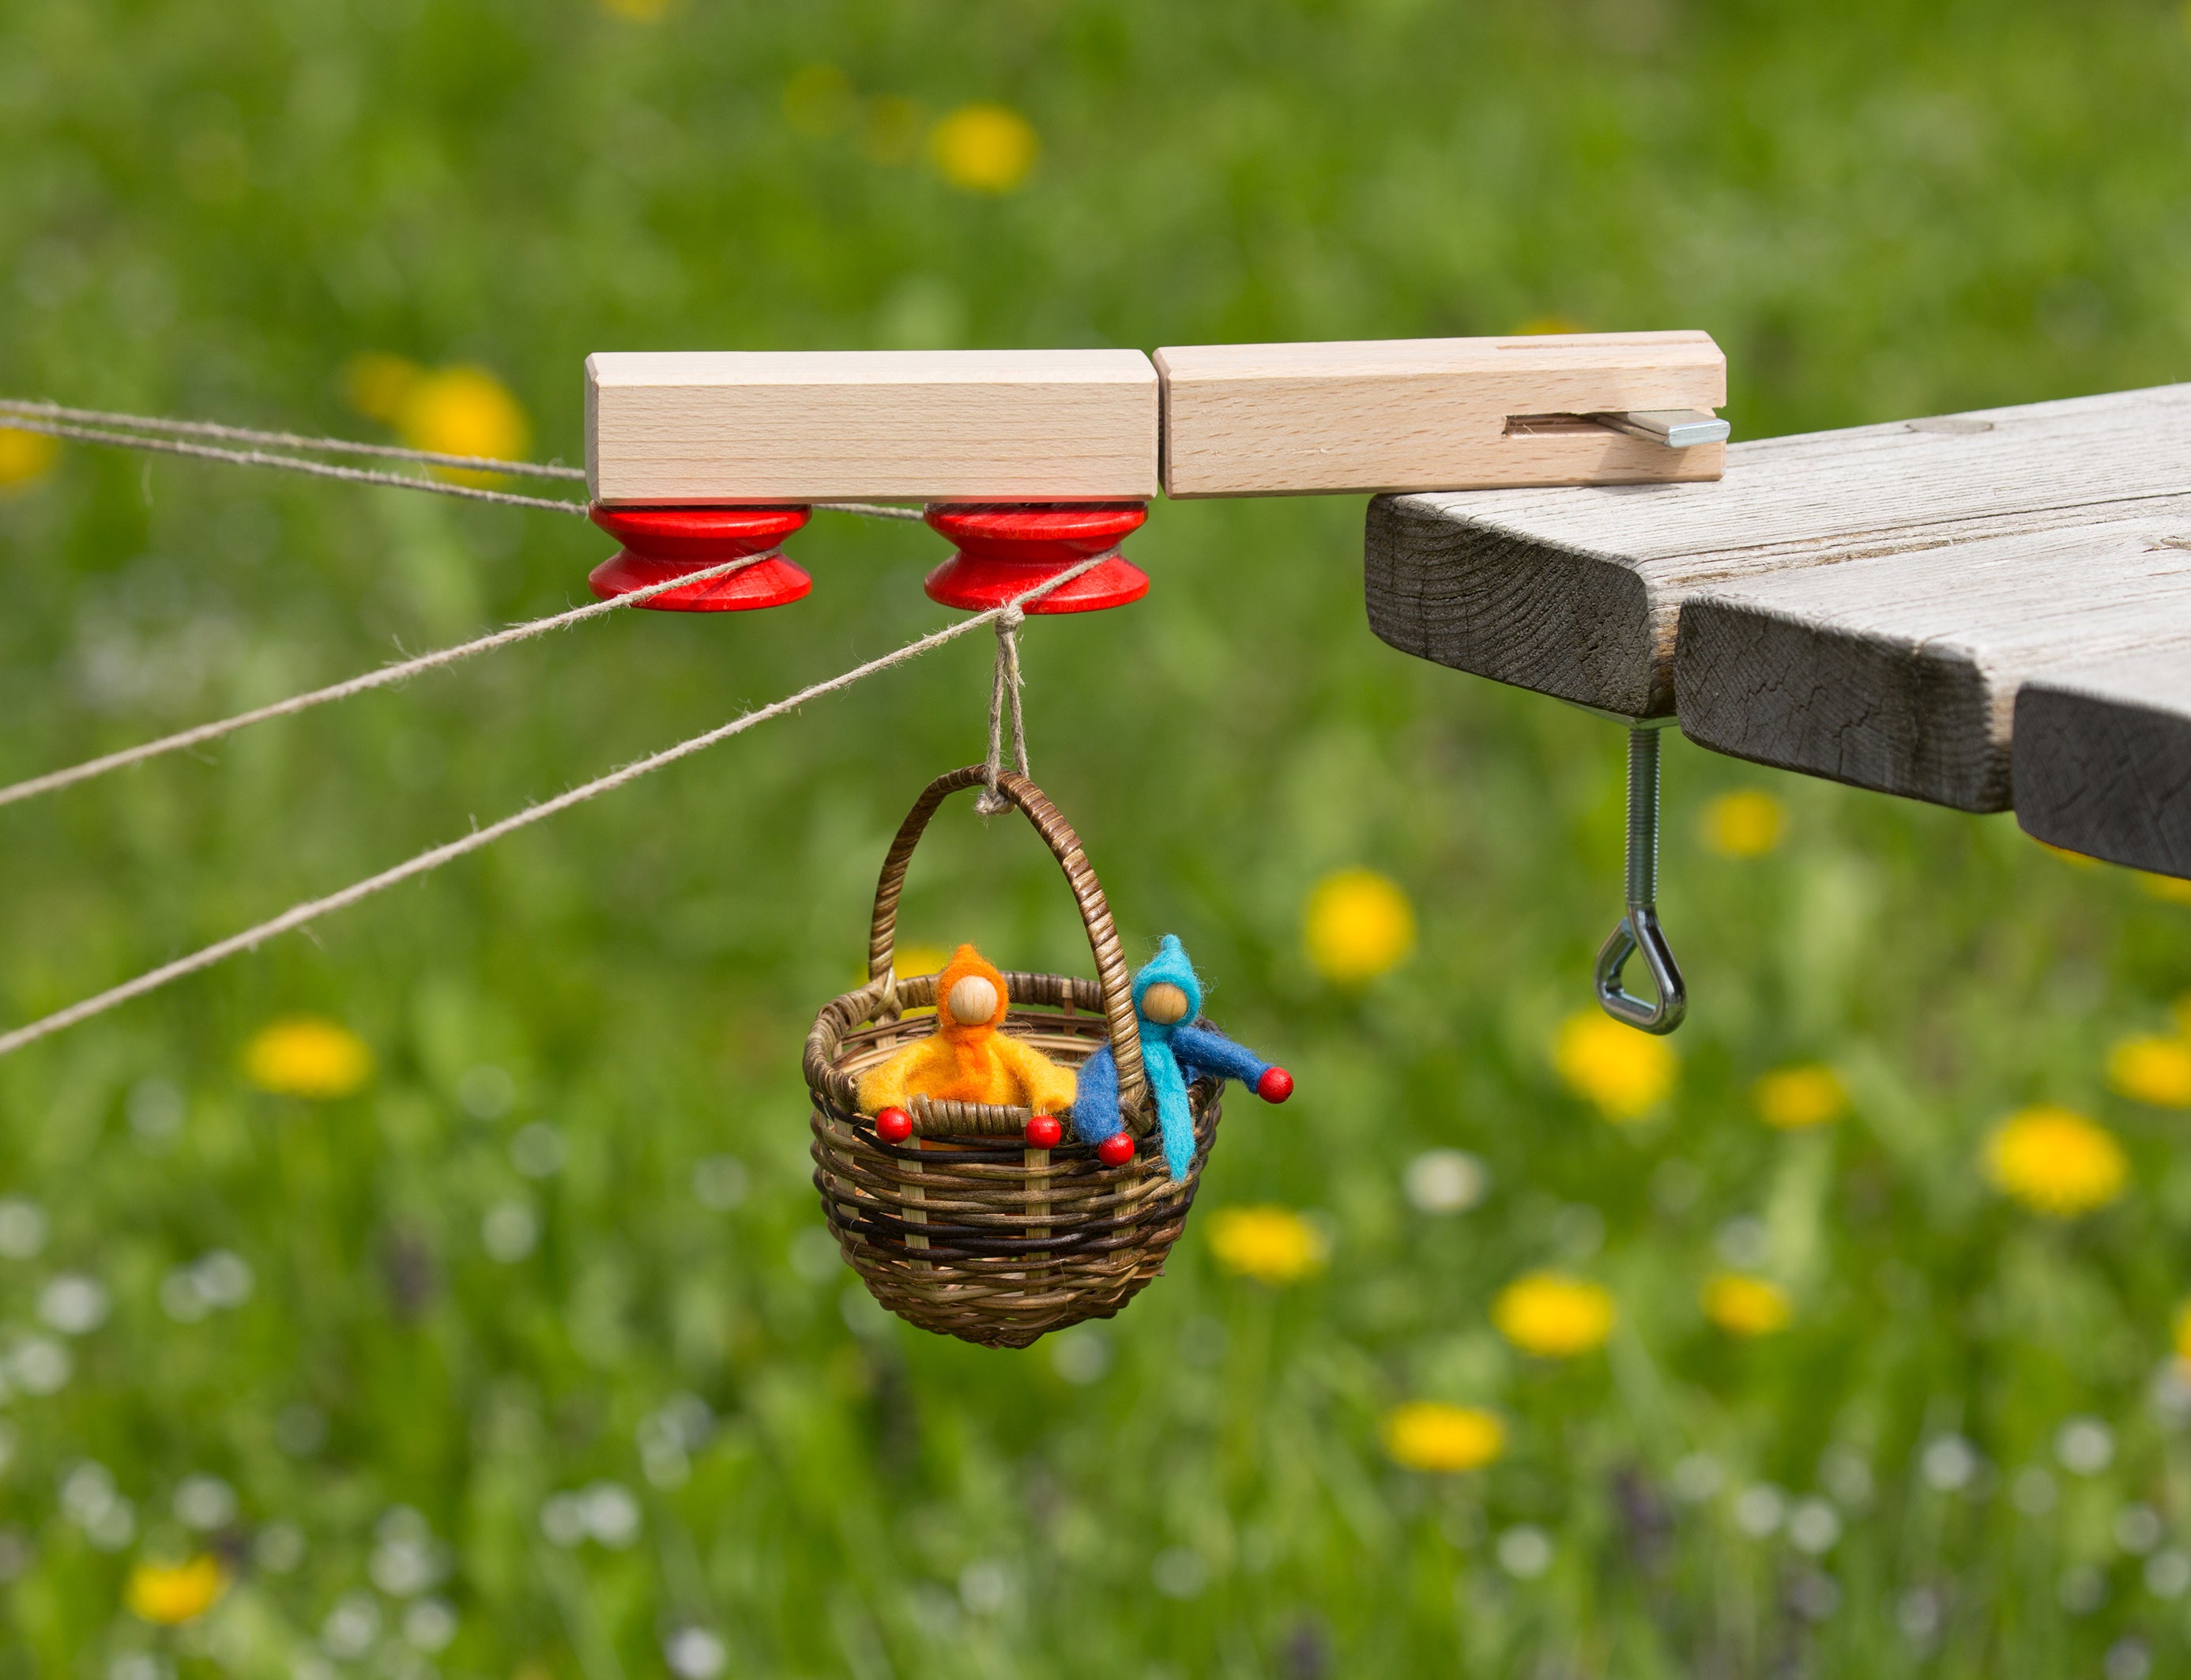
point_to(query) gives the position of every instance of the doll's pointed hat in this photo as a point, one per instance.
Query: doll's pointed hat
(1170, 963)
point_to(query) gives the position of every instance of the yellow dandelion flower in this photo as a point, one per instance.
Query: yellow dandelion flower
(1427, 1435)
(465, 410)
(1539, 326)
(2166, 888)
(1359, 925)
(2151, 1069)
(1746, 823)
(1553, 1316)
(1272, 1245)
(984, 148)
(376, 384)
(2056, 1162)
(25, 457)
(306, 1056)
(1793, 1098)
(1625, 1073)
(1746, 1306)
(170, 1594)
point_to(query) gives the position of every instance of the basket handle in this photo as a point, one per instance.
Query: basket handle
(1111, 972)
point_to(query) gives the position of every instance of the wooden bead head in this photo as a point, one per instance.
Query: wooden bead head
(1164, 1003)
(971, 1001)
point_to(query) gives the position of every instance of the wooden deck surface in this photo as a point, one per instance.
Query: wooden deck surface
(1864, 605)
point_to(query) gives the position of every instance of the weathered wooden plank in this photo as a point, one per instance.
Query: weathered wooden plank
(1577, 592)
(2102, 759)
(1899, 673)
(702, 428)
(1430, 413)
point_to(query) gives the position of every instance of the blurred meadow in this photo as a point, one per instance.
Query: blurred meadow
(445, 1292)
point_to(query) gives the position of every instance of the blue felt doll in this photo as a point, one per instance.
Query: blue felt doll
(1177, 1047)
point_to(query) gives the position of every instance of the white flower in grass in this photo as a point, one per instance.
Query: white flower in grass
(1759, 1509)
(2033, 1491)
(1948, 1463)
(352, 1626)
(1446, 1181)
(2138, 1528)
(694, 1653)
(22, 1228)
(1697, 1477)
(509, 1231)
(429, 1625)
(2085, 1445)
(73, 1303)
(563, 1519)
(204, 1503)
(38, 1365)
(2167, 1574)
(1179, 1572)
(279, 1548)
(405, 1559)
(536, 1150)
(985, 1586)
(223, 1277)
(1814, 1526)
(1525, 1551)
(612, 1514)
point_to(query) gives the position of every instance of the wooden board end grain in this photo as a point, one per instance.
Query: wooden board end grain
(1398, 415)
(719, 428)
(2102, 759)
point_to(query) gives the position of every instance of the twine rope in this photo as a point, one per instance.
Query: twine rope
(402, 671)
(259, 458)
(97, 425)
(312, 909)
(284, 439)
(1005, 698)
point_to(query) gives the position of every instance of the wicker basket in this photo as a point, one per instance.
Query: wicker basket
(962, 1228)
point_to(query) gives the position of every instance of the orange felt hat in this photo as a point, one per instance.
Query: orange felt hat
(966, 962)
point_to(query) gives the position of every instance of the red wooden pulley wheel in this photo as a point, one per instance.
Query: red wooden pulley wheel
(1007, 548)
(661, 544)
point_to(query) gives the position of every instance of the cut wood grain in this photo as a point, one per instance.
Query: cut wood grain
(714, 428)
(2103, 757)
(1430, 413)
(1577, 592)
(1900, 672)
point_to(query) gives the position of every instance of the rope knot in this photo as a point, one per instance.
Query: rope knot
(1005, 698)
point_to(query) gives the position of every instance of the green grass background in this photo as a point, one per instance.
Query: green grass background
(1879, 209)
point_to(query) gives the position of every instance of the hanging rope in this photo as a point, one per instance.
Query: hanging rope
(1005, 698)
(400, 672)
(313, 909)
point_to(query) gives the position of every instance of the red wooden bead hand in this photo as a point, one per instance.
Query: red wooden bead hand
(1045, 1131)
(1276, 1086)
(893, 1126)
(1116, 1150)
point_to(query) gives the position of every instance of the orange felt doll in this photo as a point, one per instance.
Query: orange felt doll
(968, 1060)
